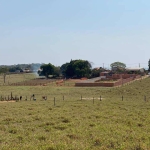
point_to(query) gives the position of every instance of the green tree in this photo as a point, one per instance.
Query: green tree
(63, 69)
(95, 72)
(47, 69)
(118, 66)
(82, 68)
(15, 68)
(76, 68)
(57, 71)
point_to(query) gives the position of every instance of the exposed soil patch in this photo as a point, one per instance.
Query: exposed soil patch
(7, 101)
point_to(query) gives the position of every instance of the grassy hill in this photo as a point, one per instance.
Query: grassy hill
(73, 123)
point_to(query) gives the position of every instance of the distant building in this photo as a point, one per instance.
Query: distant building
(26, 70)
(135, 69)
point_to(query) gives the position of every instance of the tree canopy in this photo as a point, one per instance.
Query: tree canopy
(47, 69)
(76, 68)
(96, 72)
(118, 65)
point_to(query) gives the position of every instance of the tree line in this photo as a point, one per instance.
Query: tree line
(73, 69)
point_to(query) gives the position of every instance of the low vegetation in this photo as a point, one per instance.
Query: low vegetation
(15, 78)
(80, 121)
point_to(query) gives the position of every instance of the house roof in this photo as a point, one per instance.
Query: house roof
(134, 69)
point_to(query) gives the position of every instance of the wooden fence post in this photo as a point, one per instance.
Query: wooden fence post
(93, 100)
(54, 101)
(145, 98)
(100, 98)
(81, 97)
(122, 97)
(63, 97)
(11, 96)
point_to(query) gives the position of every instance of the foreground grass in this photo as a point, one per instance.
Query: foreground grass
(74, 123)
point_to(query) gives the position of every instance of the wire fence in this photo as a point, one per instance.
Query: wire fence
(58, 99)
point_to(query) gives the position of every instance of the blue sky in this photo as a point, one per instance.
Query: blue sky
(56, 31)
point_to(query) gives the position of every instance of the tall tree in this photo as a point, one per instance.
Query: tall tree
(119, 67)
(118, 64)
(82, 68)
(63, 69)
(76, 68)
(47, 69)
(96, 72)
(56, 71)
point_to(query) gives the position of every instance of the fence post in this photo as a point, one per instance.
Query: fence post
(93, 100)
(63, 97)
(11, 96)
(81, 97)
(100, 98)
(145, 98)
(122, 97)
(54, 101)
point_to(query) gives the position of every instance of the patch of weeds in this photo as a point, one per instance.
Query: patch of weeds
(30, 108)
(20, 138)
(97, 116)
(2, 128)
(13, 131)
(42, 138)
(50, 148)
(48, 129)
(72, 136)
(1, 141)
(8, 119)
(112, 144)
(65, 120)
(129, 123)
(50, 108)
(37, 118)
(138, 147)
(140, 125)
(92, 125)
(49, 123)
(29, 114)
(97, 142)
(58, 106)
(60, 127)
(31, 129)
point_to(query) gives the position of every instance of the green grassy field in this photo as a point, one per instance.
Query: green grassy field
(75, 124)
(14, 78)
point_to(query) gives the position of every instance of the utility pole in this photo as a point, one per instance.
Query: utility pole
(149, 65)
(139, 65)
(103, 65)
